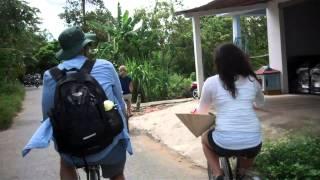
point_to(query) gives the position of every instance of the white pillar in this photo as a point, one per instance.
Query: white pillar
(276, 44)
(236, 29)
(197, 52)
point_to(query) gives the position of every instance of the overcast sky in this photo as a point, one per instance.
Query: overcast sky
(51, 8)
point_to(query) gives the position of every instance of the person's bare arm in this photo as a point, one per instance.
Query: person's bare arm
(208, 90)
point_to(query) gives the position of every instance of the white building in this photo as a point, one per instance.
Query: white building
(293, 29)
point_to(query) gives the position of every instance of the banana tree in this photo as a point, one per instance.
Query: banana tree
(122, 33)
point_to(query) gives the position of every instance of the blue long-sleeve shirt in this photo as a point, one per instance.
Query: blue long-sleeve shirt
(103, 71)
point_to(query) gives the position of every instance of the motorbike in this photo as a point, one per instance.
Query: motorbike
(194, 90)
(315, 79)
(32, 80)
(303, 85)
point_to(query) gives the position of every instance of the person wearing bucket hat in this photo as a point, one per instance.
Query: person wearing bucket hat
(72, 41)
(73, 53)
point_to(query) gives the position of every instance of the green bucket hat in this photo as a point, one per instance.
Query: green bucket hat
(72, 41)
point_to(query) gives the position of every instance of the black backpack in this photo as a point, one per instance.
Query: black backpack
(81, 126)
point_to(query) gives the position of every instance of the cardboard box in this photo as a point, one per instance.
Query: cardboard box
(197, 123)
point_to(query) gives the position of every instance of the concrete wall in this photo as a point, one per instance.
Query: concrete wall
(302, 28)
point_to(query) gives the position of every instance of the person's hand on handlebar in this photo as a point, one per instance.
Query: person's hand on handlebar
(257, 108)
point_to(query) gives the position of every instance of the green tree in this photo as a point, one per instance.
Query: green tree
(254, 30)
(98, 22)
(181, 47)
(19, 36)
(121, 35)
(214, 31)
(46, 56)
(75, 11)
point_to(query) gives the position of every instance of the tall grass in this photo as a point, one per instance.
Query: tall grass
(11, 97)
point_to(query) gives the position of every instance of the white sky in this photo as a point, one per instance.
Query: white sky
(51, 8)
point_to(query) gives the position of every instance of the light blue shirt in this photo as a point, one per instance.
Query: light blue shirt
(104, 72)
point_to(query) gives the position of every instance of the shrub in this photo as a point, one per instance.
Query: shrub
(155, 83)
(178, 86)
(11, 96)
(293, 157)
(145, 79)
(193, 76)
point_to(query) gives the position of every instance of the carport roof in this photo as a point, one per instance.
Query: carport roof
(221, 4)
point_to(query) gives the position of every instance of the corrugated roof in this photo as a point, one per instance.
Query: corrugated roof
(221, 4)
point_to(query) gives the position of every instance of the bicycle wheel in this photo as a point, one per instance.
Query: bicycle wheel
(195, 94)
(226, 167)
(94, 173)
(210, 173)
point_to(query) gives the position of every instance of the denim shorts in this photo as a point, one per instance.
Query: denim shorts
(249, 152)
(115, 167)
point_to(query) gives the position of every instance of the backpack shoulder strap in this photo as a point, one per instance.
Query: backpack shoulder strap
(56, 73)
(87, 66)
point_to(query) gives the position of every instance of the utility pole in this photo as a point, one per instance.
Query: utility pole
(84, 13)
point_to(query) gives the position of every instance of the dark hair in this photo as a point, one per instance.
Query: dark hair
(231, 62)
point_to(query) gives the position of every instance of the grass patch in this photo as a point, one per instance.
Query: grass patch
(11, 97)
(291, 157)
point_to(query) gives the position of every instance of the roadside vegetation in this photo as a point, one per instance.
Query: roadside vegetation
(11, 96)
(291, 157)
(20, 38)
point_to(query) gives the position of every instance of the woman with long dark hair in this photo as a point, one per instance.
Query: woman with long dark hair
(235, 92)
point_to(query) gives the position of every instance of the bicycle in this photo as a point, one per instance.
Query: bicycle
(92, 172)
(229, 166)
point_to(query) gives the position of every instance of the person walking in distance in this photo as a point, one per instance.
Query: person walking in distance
(127, 87)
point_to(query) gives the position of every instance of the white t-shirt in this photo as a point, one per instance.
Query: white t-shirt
(237, 125)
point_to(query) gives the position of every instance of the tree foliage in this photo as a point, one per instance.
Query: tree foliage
(254, 30)
(45, 57)
(156, 44)
(17, 19)
(122, 36)
(75, 11)
(19, 36)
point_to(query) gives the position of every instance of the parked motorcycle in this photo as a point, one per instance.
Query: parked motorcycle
(315, 79)
(32, 80)
(194, 90)
(303, 79)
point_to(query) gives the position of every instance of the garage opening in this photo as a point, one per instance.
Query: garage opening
(301, 21)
